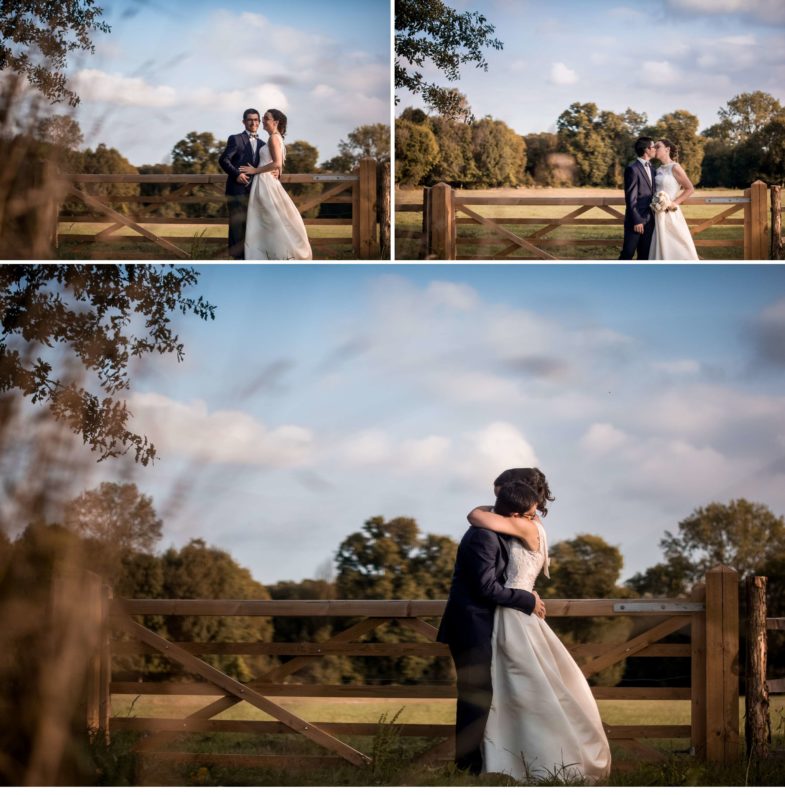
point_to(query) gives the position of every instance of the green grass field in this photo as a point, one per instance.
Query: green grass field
(392, 753)
(200, 242)
(408, 225)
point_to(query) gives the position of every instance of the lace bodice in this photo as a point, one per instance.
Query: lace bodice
(525, 564)
(664, 180)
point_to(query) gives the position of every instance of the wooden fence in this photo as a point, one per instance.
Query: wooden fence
(710, 615)
(777, 241)
(358, 189)
(446, 211)
(757, 728)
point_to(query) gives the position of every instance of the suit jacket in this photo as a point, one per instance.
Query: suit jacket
(238, 153)
(477, 590)
(638, 193)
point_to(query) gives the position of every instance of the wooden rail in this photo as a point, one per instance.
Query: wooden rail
(710, 615)
(359, 190)
(446, 211)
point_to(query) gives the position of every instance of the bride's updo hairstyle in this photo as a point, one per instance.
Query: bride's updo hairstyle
(281, 119)
(673, 147)
(532, 477)
(515, 497)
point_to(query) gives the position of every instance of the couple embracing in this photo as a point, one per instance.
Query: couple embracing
(654, 226)
(264, 223)
(524, 708)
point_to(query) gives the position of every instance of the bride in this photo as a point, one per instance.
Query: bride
(543, 720)
(672, 238)
(274, 229)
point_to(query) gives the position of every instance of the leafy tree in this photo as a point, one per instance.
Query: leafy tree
(587, 567)
(581, 134)
(744, 115)
(744, 535)
(545, 165)
(681, 127)
(416, 152)
(368, 140)
(116, 520)
(37, 38)
(200, 572)
(499, 153)
(390, 560)
(741, 534)
(106, 160)
(197, 153)
(455, 164)
(91, 319)
(301, 158)
(430, 31)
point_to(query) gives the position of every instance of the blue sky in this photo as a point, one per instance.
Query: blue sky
(324, 395)
(167, 69)
(653, 57)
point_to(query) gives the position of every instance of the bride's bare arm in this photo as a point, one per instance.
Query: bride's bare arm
(517, 526)
(687, 188)
(276, 152)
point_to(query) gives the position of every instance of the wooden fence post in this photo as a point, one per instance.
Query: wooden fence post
(722, 665)
(441, 222)
(756, 222)
(364, 211)
(384, 210)
(777, 245)
(698, 676)
(757, 723)
(96, 610)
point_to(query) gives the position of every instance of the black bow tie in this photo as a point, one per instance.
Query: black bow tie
(253, 135)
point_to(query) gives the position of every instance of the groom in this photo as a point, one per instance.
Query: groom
(638, 192)
(241, 150)
(467, 625)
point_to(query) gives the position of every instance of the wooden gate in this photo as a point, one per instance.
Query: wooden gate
(357, 189)
(447, 211)
(710, 614)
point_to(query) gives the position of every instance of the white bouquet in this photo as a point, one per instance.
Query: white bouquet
(661, 203)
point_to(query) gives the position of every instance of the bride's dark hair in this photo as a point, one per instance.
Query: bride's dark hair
(673, 147)
(281, 119)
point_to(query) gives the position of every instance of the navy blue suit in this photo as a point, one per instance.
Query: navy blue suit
(638, 193)
(467, 626)
(238, 152)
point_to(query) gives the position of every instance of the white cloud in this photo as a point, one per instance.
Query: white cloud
(562, 75)
(659, 73)
(457, 296)
(227, 437)
(770, 11)
(116, 89)
(602, 438)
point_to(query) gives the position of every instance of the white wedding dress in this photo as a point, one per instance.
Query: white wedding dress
(274, 228)
(543, 720)
(672, 239)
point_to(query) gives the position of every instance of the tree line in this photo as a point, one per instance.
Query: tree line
(115, 529)
(197, 153)
(590, 147)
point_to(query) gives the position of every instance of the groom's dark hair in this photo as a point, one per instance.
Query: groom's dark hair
(515, 497)
(642, 144)
(532, 477)
(248, 111)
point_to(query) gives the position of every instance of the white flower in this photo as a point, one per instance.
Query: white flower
(661, 202)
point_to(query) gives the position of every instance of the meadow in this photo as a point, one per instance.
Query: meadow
(393, 754)
(408, 225)
(199, 240)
